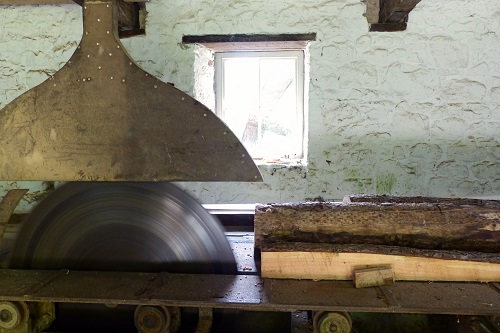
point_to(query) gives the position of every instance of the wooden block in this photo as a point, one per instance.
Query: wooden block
(371, 277)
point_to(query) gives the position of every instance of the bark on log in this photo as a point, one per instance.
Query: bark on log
(384, 199)
(468, 225)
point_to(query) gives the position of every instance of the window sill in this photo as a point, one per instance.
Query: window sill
(282, 162)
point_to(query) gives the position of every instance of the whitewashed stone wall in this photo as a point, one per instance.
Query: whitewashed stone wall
(404, 113)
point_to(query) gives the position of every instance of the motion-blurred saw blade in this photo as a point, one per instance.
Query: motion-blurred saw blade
(117, 226)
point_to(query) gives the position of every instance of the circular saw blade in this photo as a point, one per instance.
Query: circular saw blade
(116, 226)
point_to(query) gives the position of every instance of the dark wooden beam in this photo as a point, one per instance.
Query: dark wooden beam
(190, 39)
(388, 27)
(392, 15)
(129, 22)
(395, 11)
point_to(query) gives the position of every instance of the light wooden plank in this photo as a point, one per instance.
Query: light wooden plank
(340, 266)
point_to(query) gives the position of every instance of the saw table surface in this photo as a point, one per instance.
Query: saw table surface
(247, 292)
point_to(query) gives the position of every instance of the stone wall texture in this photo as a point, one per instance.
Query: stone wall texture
(403, 113)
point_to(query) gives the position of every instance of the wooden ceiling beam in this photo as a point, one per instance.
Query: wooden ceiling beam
(395, 11)
(388, 15)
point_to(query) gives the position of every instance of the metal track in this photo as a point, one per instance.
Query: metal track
(247, 292)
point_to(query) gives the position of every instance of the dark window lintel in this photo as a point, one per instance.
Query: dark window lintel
(190, 39)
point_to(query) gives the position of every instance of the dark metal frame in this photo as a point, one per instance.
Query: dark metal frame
(247, 292)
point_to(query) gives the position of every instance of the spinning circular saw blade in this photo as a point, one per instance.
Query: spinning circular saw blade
(116, 226)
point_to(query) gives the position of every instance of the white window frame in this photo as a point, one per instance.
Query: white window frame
(299, 55)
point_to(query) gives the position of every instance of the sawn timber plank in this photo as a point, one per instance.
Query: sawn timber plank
(337, 262)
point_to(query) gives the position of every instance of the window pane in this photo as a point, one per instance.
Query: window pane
(240, 104)
(278, 102)
(260, 100)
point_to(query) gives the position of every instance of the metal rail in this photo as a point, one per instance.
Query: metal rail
(246, 292)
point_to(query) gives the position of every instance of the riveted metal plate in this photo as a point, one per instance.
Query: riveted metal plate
(101, 117)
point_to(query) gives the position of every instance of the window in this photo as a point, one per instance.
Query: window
(260, 96)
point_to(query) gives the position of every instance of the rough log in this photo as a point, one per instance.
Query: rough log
(384, 199)
(467, 225)
(339, 262)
